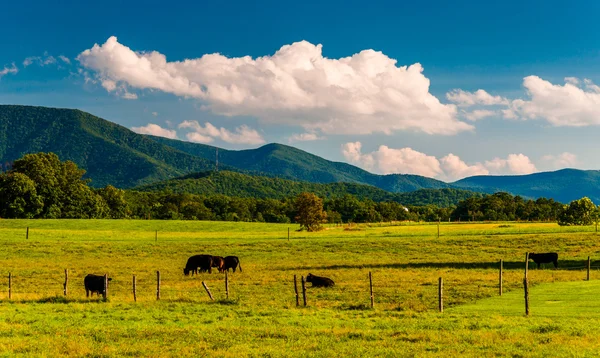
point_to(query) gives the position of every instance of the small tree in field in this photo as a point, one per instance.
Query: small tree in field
(309, 209)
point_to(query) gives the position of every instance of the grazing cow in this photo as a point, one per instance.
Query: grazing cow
(94, 283)
(218, 262)
(232, 262)
(318, 281)
(204, 262)
(544, 258)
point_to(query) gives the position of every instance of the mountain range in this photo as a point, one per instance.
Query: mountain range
(113, 154)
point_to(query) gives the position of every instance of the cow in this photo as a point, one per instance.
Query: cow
(318, 281)
(232, 262)
(94, 283)
(544, 258)
(204, 262)
(218, 262)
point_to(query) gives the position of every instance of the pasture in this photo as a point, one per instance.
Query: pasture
(261, 317)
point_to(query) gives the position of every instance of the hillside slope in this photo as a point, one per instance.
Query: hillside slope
(110, 153)
(292, 163)
(244, 185)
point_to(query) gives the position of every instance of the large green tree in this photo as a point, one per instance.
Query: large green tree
(60, 185)
(578, 212)
(18, 197)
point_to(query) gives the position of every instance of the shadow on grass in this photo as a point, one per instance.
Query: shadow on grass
(508, 265)
(56, 299)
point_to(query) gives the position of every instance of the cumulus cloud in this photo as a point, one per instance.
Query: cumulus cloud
(563, 160)
(479, 97)
(387, 160)
(304, 137)
(513, 164)
(572, 104)
(6, 70)
(455, 168)
(156, 130)
(361, 94)
(207, 133)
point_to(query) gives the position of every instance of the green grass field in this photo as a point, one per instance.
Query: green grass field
(261, 317)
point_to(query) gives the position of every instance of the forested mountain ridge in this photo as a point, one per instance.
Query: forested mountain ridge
(243, 185)
(291, 163)
(110, 153)
(562, 185)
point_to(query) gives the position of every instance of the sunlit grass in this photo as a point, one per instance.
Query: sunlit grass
(261, 316)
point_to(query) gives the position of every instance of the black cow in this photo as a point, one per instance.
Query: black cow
(318, 281)
(94, 283)
(204, 262)
(544, 258)
(218, 262)
(232, 262)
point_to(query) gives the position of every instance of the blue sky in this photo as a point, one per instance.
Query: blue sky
(535, 65)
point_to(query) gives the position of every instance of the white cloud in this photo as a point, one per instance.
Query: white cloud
(156, 130)
(479, 97)
(44, 60)
(563, 160)
(571, 104)
(65, 59)
(387, 160)
(513, 164)
(207, 133)
(361, 94)
(304, 137)
(454, 168)
(12, 70)
(478, 114)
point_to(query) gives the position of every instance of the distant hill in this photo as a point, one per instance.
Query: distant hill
(244, 185)
(110, 153)
(292, 163)
(562, 185)
(113, 154)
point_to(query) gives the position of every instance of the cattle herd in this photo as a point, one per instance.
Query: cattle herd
(205, 263)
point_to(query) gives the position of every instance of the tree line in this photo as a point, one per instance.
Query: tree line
(41, 186)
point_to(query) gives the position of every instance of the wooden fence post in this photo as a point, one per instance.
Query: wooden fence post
(296, 289)
(134, 290)
(27, 234)
(208, 291)
(105, 291)
(500, 278)
(526, 263)
(226, 285)
(371, 289)
(526, 288)
(9, 285)
(441, 294)
(589, 264)
(303, 291)
(66, 284)
(158, 285)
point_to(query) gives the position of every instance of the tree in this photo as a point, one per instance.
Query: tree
(309, 209)
(115, 200)
(578, 212)
(18, 197)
